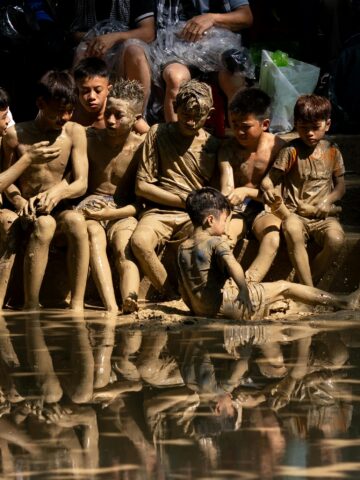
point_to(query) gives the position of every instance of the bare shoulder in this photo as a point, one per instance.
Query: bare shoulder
(11, 138)
(74, 128)
(136, 138)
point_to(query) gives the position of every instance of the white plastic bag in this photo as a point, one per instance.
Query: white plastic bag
(284, 85)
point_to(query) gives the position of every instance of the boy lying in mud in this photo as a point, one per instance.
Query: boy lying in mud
(212, 282)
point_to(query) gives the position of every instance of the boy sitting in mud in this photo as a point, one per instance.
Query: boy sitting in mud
(176, 159)
(244, 159)
(212, 282)
(310, 171)
(39, 197)
(110, 208)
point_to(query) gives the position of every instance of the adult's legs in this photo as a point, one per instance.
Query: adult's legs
(230, 83)
(73, 224)
(267, 230)
(174, 75)
(136, 67)
(294, 235)
(7, 249)
(36, 258)
(99, 264)
(119, 236)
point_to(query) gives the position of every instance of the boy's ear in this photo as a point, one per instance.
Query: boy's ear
(209, 220)
(212, 109)
(266, 124)
(327, 124)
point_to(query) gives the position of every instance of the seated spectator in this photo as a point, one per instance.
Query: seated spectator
(199, 18)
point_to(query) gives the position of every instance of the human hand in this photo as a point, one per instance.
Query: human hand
(98, 46)
(245, 305)
(323, 209)
(41, 152)
(46, 201)
(105, 213)
(197, 27)
(21, 205)
(280, 394)
(270, 196)
(238, 195)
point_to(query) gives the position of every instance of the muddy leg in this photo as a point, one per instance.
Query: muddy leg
(174, 75)
(8, 240)
(332, 244)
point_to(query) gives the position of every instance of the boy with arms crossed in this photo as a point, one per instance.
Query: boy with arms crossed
(311, 173)
(176, 159)
(40, 192)
(213, 282)
(243, 162)
(110, 208)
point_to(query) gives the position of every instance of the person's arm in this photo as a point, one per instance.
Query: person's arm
(236, 20)
(271, 185)
(77, 187)
(145, 31)
(237, 274)
(108, 213)
(226, 176)
(152, 192)
(323, 208)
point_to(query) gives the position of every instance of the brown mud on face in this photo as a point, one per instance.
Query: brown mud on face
(195, 96)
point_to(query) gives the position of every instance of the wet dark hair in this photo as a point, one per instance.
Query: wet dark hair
(312, 108)
(57, 85)
(90, 67)
(130, 90)
(251, 101)
(4, 99)
(204, 202)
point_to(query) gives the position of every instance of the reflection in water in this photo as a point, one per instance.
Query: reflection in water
(83, 397)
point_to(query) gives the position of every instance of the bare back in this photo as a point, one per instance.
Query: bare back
(111, 166)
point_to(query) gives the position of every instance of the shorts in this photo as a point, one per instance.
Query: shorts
(127, 224)
(252, 211)
(230, 307)
(166, 226)
(319, 229)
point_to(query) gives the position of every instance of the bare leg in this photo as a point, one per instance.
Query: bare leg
(40, 360)
(174, 76)
(310, 295)
(235, 230)
(36, 258)
(99, 263)
(73, 224)
(230, 83)
(102, 352)
(125, 263)
(143, 243)
(267, 231)
(294, 235)
(129, 343)
(7, 249)
(333, 243)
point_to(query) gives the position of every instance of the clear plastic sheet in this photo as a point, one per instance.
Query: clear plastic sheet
(207, 54)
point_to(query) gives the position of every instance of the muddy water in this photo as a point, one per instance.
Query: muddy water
(184, 399)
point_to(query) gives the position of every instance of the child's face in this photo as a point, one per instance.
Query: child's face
(56, 113)
(312, 132)
(4, 121)
(217, 223)
(93, 92)
(247, 128)
(190, 120)
(119, 116)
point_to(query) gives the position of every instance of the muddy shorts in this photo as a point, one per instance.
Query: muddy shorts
(90, 203)
(319, 229)
(250, 214)
(230, 306)
(125, 225)
(175, 226)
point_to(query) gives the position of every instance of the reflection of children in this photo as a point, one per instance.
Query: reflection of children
(311, 172)
(206, 263)
(243, 162)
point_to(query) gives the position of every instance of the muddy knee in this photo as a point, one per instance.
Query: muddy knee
(96, 232)
(293, 229)
(334, 241)
(271, 242)
(141, 243)
(44, 228)
(74, 224)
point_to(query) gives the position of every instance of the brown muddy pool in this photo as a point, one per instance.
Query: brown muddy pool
(84, 396)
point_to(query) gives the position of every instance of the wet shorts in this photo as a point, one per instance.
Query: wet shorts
(320, 228)
(230, 305)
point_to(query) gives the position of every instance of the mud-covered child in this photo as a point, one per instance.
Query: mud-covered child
(40, 195)
(309, 173)
(244, 159)
(212, 282)
(176, 158)
(110, 207)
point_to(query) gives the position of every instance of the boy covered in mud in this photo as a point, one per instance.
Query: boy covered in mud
(212, 282)
(310, 172)
(244, 160)
(177, 158)
(39, 152)
(40, 195)
(110, 208)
